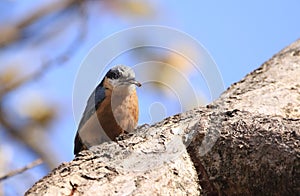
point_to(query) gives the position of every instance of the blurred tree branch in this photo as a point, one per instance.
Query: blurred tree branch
(12, 32)
(37, 29)
(18, 171)
(61, 58)
(34, 140)
(28, 133)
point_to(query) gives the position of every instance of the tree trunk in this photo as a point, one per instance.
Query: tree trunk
(244, 143)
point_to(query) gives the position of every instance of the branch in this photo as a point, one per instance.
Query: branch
(58, 60)
(27, 134)
(12, 33)
(32, 139)
(21, 170)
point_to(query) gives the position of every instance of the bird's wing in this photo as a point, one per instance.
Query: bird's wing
(93, 103)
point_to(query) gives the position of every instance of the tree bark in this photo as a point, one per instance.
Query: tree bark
(245, 143)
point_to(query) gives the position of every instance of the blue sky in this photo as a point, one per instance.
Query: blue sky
(239, 35)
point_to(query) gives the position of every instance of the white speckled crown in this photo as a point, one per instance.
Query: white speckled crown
(126, 71)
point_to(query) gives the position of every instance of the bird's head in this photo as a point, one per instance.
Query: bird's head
(121, 77)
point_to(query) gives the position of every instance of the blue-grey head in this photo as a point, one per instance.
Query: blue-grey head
(121, 76)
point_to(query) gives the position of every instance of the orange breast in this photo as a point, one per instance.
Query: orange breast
(118, 113)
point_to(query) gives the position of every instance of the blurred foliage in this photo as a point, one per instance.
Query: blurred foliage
(30, 30)
(131, 8)
(9, 76)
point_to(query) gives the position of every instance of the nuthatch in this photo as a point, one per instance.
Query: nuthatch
(112, 109)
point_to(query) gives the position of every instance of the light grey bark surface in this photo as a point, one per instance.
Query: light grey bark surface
(245, 143)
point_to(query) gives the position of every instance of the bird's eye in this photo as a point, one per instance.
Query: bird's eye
(113, 74)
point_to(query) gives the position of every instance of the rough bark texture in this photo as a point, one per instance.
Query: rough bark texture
(245, 143)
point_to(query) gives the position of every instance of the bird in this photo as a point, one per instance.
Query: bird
(112, 109)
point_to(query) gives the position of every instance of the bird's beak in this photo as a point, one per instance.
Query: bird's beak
(135, 82)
